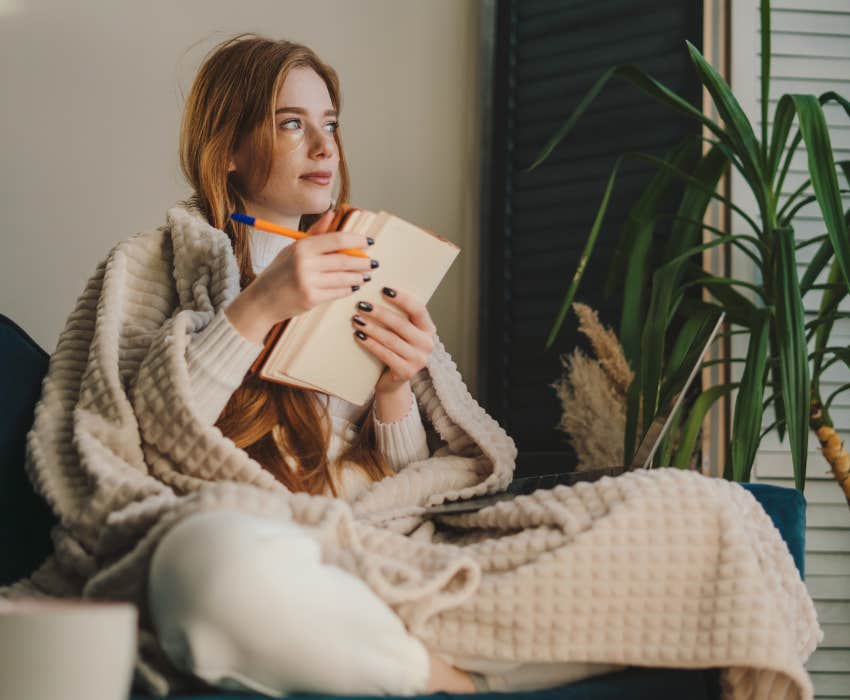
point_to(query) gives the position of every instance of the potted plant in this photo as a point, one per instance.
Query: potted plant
(656, 276)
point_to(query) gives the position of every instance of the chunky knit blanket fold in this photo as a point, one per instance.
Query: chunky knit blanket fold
(662, 568)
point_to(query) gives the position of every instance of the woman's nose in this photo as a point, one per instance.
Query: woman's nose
(323, 143)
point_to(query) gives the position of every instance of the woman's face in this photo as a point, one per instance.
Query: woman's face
(305, 122)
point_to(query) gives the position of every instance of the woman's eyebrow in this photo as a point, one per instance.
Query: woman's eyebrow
(299, 110)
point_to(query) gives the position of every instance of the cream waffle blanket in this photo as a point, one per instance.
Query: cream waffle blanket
(664, 568)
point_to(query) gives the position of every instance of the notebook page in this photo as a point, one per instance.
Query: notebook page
(411, 260)
(301, 326)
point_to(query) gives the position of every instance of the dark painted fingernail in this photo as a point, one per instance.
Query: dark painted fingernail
(365, 305)
(366, 278)
(355, 287)
(359, 320)
(370, 241)
(389, 292)
(360, 334)
(373, 263)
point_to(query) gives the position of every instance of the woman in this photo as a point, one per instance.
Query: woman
(283, 170)
(186, 487)
(271, 167)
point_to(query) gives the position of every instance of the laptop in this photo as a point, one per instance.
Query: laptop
(672, 394)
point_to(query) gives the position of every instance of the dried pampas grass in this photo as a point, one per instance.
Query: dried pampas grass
(593, 395)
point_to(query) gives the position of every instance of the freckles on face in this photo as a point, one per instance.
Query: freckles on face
(287, 157)
(305, 125)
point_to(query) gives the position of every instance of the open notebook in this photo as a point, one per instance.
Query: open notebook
(317, 349)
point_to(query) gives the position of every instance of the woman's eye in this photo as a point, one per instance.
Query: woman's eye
(334, 125)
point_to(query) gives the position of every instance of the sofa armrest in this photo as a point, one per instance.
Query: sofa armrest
(787, 508)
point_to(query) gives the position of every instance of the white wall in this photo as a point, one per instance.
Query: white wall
(93, 92)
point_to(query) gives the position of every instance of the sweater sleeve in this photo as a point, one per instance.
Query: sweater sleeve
(403, 441)
(218, 357)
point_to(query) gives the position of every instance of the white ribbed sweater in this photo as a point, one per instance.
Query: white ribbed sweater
(656, 568)
(220, 349)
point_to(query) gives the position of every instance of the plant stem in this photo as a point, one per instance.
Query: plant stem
(832, 447)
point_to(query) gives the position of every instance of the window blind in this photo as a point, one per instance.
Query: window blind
(547, 55)
(810, 55)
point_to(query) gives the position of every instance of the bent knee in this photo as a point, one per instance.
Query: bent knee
(209, 571)
(235, 596)
(228, 553)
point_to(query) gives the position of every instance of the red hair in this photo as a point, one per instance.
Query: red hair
(231, 103)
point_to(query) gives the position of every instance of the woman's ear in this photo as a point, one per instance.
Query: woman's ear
(231, 166)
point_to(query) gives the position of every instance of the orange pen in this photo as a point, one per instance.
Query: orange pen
(264, 225)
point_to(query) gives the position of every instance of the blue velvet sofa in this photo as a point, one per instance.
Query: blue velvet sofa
(25, 523)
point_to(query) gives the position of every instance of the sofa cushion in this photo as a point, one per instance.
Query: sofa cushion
(25, 519)
(632, 683)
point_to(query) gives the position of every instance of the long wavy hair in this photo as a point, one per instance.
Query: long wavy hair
(232, 102)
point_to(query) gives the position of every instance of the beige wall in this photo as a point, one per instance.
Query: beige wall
(92, 102)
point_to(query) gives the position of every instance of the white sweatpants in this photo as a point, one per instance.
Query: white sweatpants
(245, 603)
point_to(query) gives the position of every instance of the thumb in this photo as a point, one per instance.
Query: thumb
(323, 223)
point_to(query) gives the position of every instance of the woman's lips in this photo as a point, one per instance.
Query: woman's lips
(321, 181)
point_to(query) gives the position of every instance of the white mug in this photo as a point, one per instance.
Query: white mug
(66, 649)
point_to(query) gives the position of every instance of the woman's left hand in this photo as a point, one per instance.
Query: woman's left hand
(402, 341)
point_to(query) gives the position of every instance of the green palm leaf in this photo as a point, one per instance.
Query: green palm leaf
(746, 421)
(643, 81)
(664, 295)
(765, 73)
(737, 125)
(832, 296)
(822, 170)
(585, 256)
(829, 96)
(630, 266)
(692, 424)
(793, 355)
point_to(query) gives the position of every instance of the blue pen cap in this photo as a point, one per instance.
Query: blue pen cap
(243, 218)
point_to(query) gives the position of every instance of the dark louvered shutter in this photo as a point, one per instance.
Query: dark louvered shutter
(548, 53)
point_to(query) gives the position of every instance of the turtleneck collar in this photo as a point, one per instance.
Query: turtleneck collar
(264, 248)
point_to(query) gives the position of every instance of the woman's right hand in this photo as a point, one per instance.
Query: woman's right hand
(303, 275)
